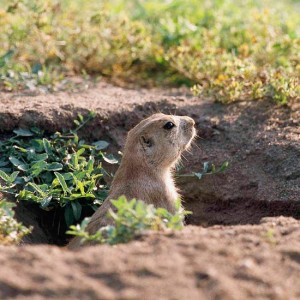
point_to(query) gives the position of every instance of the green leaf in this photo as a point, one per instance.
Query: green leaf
(80, 196)
(80, 117)
(92, 114)
(80, 186)
(198, 175)
(162, 212)
(69, 216)
(13, 176)
(62, 183)
(37, 189)
(77, 208)
(80, 152)
(4, 176)
(90, 165)
(74, 161)
(110, 159)
(3, 163)
(67, 176)
(54, 166)
(101, 195)
(38, 167)
(23, 167)
(205, 167)
(100, 145)
(89, 196)
(16, 162)
(224, 166)
(40, 157)
(23, 150)
(75, 196)
(37, 131)
(178, 206)
(76, 138)
(47, 146)
(20, 180)
(120, 202)
(213, 169)
(37, 145)
(23, 132)
(80, 175)
(6, 170)
(19, 164)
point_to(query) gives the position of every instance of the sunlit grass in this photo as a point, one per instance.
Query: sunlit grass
(228, 50)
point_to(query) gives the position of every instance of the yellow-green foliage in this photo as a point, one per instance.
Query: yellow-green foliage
(229, 50)
(131, 218)
(11, 232)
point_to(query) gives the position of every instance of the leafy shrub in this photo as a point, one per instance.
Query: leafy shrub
(229, 50)
(130, 219)
(11, 232)
(56, 171)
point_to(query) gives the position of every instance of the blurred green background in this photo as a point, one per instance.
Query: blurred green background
(223, 49)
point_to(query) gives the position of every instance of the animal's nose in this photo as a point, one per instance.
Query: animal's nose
(188, 122)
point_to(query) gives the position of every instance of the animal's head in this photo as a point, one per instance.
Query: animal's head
(160, 139)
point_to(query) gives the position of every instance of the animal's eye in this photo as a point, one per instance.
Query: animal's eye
(169, 125)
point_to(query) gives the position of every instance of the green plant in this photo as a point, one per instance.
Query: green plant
(57, 171)
(208, 169)
(227, 50)
(11, 232)
(130, 218)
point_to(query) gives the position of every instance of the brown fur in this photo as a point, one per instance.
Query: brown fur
(145, 173)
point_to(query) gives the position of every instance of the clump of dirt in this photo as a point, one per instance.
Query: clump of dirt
(260, 140)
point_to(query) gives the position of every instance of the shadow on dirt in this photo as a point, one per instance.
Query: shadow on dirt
(239, 211)
(263, 179)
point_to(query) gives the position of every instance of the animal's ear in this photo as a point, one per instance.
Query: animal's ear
(146, 141)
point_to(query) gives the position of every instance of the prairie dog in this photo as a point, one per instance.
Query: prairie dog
(151, 151)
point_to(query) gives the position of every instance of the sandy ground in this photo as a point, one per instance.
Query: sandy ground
(242, 254)
(234, 262)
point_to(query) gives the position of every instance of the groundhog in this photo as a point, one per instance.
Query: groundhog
(152, 149)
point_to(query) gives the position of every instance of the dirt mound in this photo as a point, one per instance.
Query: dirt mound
(259, 259)
(233, 262)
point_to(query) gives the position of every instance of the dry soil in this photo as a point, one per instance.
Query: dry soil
(246, 244)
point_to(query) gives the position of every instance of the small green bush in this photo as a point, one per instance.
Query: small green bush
(11, 232)
(130, 219)
(57, 171)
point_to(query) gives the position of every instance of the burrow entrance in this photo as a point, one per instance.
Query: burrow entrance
(49, 227)
(256, 185)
